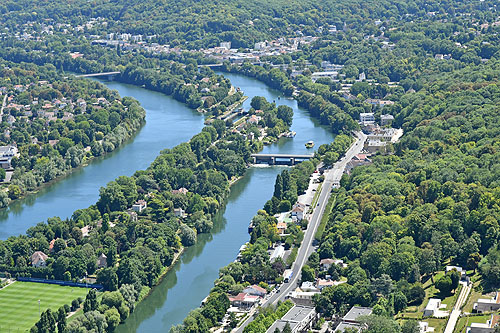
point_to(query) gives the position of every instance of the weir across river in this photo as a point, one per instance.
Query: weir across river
(284, 159)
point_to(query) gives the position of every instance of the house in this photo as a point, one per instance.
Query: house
(355, 312)
(225, 45)
(350, 320)
(278, 252)
(424, 327)
(281, 226)
(366, 117)
(102, 261)
(487, 304)
(308, 286)
(460, 270)
(254, 120)
(488, 327)
(386, 119)
(300, 318)
(255, 290)
(325, 264)
(6, 155)
(342, 327)
(300, 297)
(244, 300)
(179, 212)
(322, 283)
(326, 74)
(182, 190)
(39, 259)
(378, 102)
(139, 206)
(298, 211)
(432, 307)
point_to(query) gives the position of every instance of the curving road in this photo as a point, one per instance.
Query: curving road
(332, 177)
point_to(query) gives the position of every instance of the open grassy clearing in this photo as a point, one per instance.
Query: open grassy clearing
(19, 303)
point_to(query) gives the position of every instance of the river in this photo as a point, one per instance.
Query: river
(168, 123)
(191, 278)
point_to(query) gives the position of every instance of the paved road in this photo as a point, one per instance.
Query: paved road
(455, 314)
(332, 177)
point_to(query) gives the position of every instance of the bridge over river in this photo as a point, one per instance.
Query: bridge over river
(286, 159)
(109, 75)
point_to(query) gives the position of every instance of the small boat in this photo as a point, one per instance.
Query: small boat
(309, 144)
(290, 134)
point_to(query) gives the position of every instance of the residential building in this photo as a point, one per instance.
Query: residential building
(356, 312)
(487, 304)
(386, 119)
(300, 297)
(102, 261)
(424, 327)
(281, 226)
(39, 259)
(308, 286)
(343, 326)
(225, 45)
(325, 264)
(378, 102)
(366, 117)
(139, 206)
(460, 270)
(260, 46)
(488, 327)
(181, 190)
(326, 74)
(179, 212)
(244, 300)
(255, 290)
(298, 211)
(432, 306)
(278, 252)
(300, 318)
(6, 155)
(351, 319)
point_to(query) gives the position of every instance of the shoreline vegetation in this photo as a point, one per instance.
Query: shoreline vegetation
(55, 125)
(176, 209)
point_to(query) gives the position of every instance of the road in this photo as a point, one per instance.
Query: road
(455, 313)
(332, 177)
(3, 105)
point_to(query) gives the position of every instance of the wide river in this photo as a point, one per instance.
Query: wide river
(169, 123)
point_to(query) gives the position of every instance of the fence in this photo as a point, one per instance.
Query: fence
(61, 283)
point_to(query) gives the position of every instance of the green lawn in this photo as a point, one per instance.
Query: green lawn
(19, 303)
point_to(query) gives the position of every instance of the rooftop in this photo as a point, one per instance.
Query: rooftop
(357, 311)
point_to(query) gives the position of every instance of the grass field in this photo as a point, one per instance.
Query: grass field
(19, 303)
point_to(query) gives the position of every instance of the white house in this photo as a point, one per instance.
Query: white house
(433, 306)
(298, 211)
(460, 270)
(179, 212)
(366, 117)
(139, 206)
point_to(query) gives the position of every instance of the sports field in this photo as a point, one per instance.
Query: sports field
(19, 303)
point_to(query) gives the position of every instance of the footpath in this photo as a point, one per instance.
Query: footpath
(455, 313)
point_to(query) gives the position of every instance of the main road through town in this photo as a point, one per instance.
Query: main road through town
(332, 177)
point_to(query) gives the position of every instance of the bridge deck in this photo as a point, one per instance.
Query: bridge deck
(98, 74)
(284, 155)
